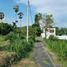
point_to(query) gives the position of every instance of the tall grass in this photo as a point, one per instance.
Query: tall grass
(19, 45)
(59, 47)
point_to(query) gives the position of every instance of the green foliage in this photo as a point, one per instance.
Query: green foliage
(16, 8)
(20, 14)
(59, 47)
(12, 36)
(49, 20)
(31, 32)
(5, 28)
(52, 38)
(2, 38)
(37, 29)
(38, 16)
(36, 25)
(19, 45)
(61, 31)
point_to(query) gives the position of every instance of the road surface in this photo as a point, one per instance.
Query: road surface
(40, 56)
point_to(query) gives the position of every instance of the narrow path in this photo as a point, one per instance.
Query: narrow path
(40, 56)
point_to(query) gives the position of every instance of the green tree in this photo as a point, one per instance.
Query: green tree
(38, 17)
(48, 20)
(5, 28)
(36, 25)
(20, 15)
(16, 10)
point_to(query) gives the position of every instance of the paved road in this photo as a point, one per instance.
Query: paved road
(40, 56)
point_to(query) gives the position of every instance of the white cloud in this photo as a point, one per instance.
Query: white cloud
(46, 5)
(56, 7)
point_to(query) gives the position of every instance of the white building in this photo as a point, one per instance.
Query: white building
(50, 31)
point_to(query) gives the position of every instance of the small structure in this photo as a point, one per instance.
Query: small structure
(49, 32)
(52, 31)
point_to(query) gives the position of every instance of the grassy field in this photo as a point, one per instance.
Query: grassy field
(59, 47)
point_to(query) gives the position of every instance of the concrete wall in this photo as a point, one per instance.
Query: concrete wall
(63, 37)
(48, 34)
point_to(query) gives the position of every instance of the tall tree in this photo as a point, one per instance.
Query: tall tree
(1, 15)
(16, 10)
(36, 25)
(20, 15)
(38, 17)
(48, 20)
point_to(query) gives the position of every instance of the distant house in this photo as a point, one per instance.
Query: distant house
(50, 31)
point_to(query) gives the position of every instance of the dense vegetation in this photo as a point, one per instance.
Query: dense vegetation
(5, 28)
(59, 47)
(19, 45)
(37, 29)
(17, 39)
(61, 31)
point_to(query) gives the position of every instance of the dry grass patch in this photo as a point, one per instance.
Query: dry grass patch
(4, 43)
(7, 58)
(25, 63)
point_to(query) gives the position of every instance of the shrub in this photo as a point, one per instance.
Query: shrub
(12, 36)
(52, 37)
(5, 28)
(59, 47)
(22, 48)
(36, 29)
(19, 45)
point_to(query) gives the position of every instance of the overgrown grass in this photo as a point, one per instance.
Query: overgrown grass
(2, 38)
(59, 47)
(19, 45)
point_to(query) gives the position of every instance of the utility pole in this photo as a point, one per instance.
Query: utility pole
(27, 20)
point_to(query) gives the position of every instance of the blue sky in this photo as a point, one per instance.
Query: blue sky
(57, 8)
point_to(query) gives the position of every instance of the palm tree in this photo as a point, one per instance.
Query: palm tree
(20, 15)
(1, 15)
(16, 10)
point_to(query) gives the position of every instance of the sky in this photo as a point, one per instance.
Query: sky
(58, 8)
